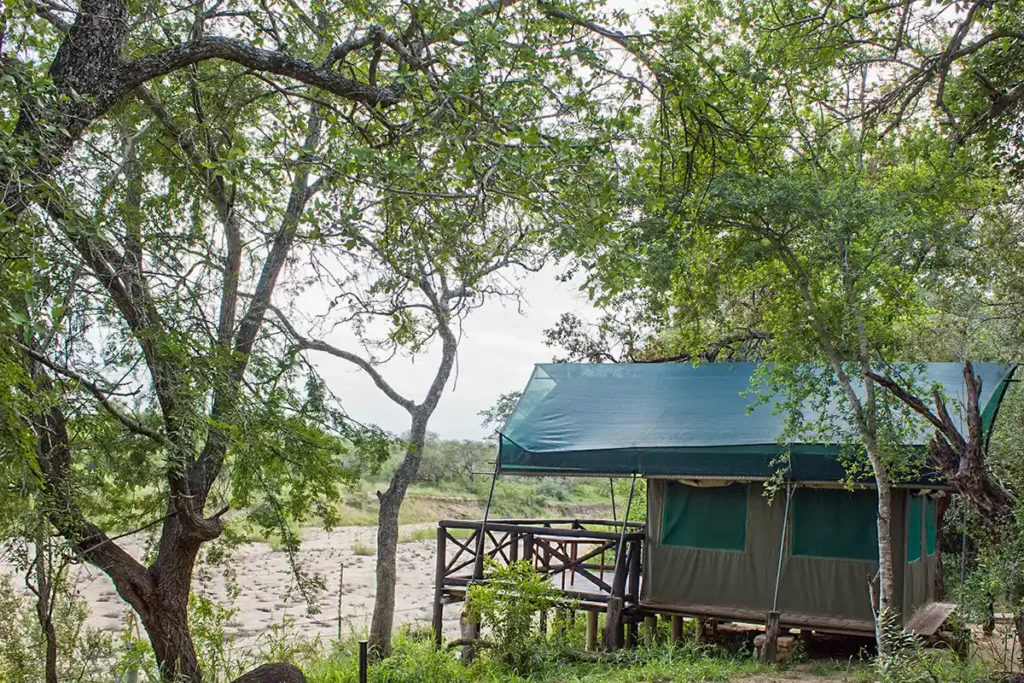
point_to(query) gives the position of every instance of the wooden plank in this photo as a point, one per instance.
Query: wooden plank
(545, 529)
(839, 625)
(927, 619)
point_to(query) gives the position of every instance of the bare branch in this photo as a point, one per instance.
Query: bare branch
(101, 396)
(305, 343)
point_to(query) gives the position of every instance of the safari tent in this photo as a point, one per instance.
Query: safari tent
(715, 545)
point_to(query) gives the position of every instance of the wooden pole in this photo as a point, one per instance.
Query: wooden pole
(769, 651)
(677, 628)
(341, 591)
(613, 618)
(470, 628)
(437, 622)
(650, 630)
(613, 624)
(591, 629)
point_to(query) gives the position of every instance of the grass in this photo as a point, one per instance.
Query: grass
(429, 533)
(360, 548)
(416, 661)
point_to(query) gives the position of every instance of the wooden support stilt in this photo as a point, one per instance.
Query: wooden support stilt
(650, 630)
(437, 623)
(677, 628)
(769, 651)
(469, 630)
(613, 624)
(591, 629)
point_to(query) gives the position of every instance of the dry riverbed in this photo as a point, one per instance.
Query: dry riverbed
(268, 594)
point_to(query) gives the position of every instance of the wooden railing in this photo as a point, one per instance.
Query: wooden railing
(580, 557)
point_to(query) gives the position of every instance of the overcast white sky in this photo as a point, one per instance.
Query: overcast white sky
(497, 353)
(498, 350)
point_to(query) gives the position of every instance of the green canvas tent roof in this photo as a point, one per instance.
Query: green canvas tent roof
(671, 419)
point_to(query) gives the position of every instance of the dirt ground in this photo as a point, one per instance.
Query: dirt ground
(269, 595)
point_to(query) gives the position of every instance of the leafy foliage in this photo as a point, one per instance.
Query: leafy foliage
(508, 603)
(85, 653)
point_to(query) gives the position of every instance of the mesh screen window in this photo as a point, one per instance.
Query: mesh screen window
(835, 524)
(710, 518)
(914, 515)
(929, 525)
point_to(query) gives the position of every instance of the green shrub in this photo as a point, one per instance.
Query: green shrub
(507, 604)
(84, 654)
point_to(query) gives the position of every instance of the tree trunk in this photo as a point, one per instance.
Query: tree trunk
(941, 506)
(886, 577)
(387, 538)
(44, 606)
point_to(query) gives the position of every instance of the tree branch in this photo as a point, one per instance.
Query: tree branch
(101, 396)
(137, 72)
(307, 344)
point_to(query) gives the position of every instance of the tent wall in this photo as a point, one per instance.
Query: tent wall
(825, 587)
(921, 565)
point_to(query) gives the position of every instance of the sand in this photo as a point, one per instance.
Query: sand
(269, 596)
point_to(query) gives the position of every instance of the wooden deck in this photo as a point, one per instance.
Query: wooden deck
(579, 556)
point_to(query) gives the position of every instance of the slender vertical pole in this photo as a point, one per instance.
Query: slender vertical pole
(478, 569)
(613, 618)
(611, 485)
(341, 591)
(629, 504)
(362, 662)
(963, 548)
(439, 570)
(782, 547)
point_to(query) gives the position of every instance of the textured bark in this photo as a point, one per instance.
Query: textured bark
(90, 74)
(387, 539)
(962, 459)
(273, 673)
(44, 608)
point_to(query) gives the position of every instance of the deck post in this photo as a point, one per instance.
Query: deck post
(650, 630)
(769, 651)
(591, 629)
(438, 620)
(613, 624)
(677, 628)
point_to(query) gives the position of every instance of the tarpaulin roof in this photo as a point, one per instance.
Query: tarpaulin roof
(681, 420)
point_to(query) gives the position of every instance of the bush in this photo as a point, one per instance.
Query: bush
(909, 662)
(507, 604)
(84, 654)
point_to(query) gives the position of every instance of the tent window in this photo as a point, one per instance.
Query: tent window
(711, 518)
(914, 515)
(929, 525)
(833, 523)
